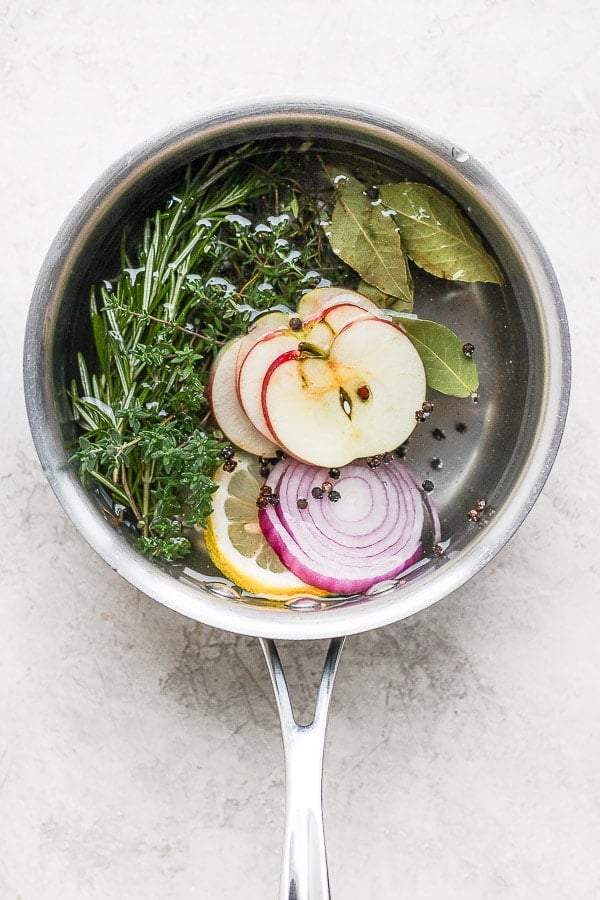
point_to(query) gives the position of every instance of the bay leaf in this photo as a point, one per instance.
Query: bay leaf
(447, 369)
(436, 234)
(367, 240)
(385, 301)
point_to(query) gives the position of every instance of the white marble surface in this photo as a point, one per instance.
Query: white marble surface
(139, 753)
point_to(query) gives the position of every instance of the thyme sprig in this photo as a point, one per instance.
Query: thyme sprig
(237, 238)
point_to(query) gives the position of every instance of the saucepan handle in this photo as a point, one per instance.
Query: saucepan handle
(304, 874)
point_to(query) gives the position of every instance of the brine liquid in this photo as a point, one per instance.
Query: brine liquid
(459, 447)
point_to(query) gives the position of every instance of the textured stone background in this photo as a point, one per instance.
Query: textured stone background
(139, 753)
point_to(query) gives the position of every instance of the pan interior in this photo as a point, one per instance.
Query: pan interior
(481, 442)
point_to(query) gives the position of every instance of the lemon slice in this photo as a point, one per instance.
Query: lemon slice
(234, 539)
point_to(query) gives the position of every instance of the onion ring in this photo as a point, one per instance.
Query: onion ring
(372, 533)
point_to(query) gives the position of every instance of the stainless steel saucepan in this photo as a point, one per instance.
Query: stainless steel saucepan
(513, 427)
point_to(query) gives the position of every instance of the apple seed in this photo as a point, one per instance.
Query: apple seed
(345, 402)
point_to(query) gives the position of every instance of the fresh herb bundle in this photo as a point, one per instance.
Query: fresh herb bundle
(199, 273)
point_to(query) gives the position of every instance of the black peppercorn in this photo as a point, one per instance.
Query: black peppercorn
(301, 502)
(372, 193)
(229, 465)
(262, 502)
(317, 493)
(334, 473)
(273, 499)
(468, 350)
(334, 496)
(227, 452)
(436, 463)
(264, 471)
(438, 434)
(295, 323)
(428, 486)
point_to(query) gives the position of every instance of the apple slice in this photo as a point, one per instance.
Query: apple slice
(226, 408)
(359, 401)
(252, 373)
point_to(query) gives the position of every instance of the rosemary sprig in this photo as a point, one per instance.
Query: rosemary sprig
(236, 239)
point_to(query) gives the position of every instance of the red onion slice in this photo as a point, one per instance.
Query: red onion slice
(371, 534)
